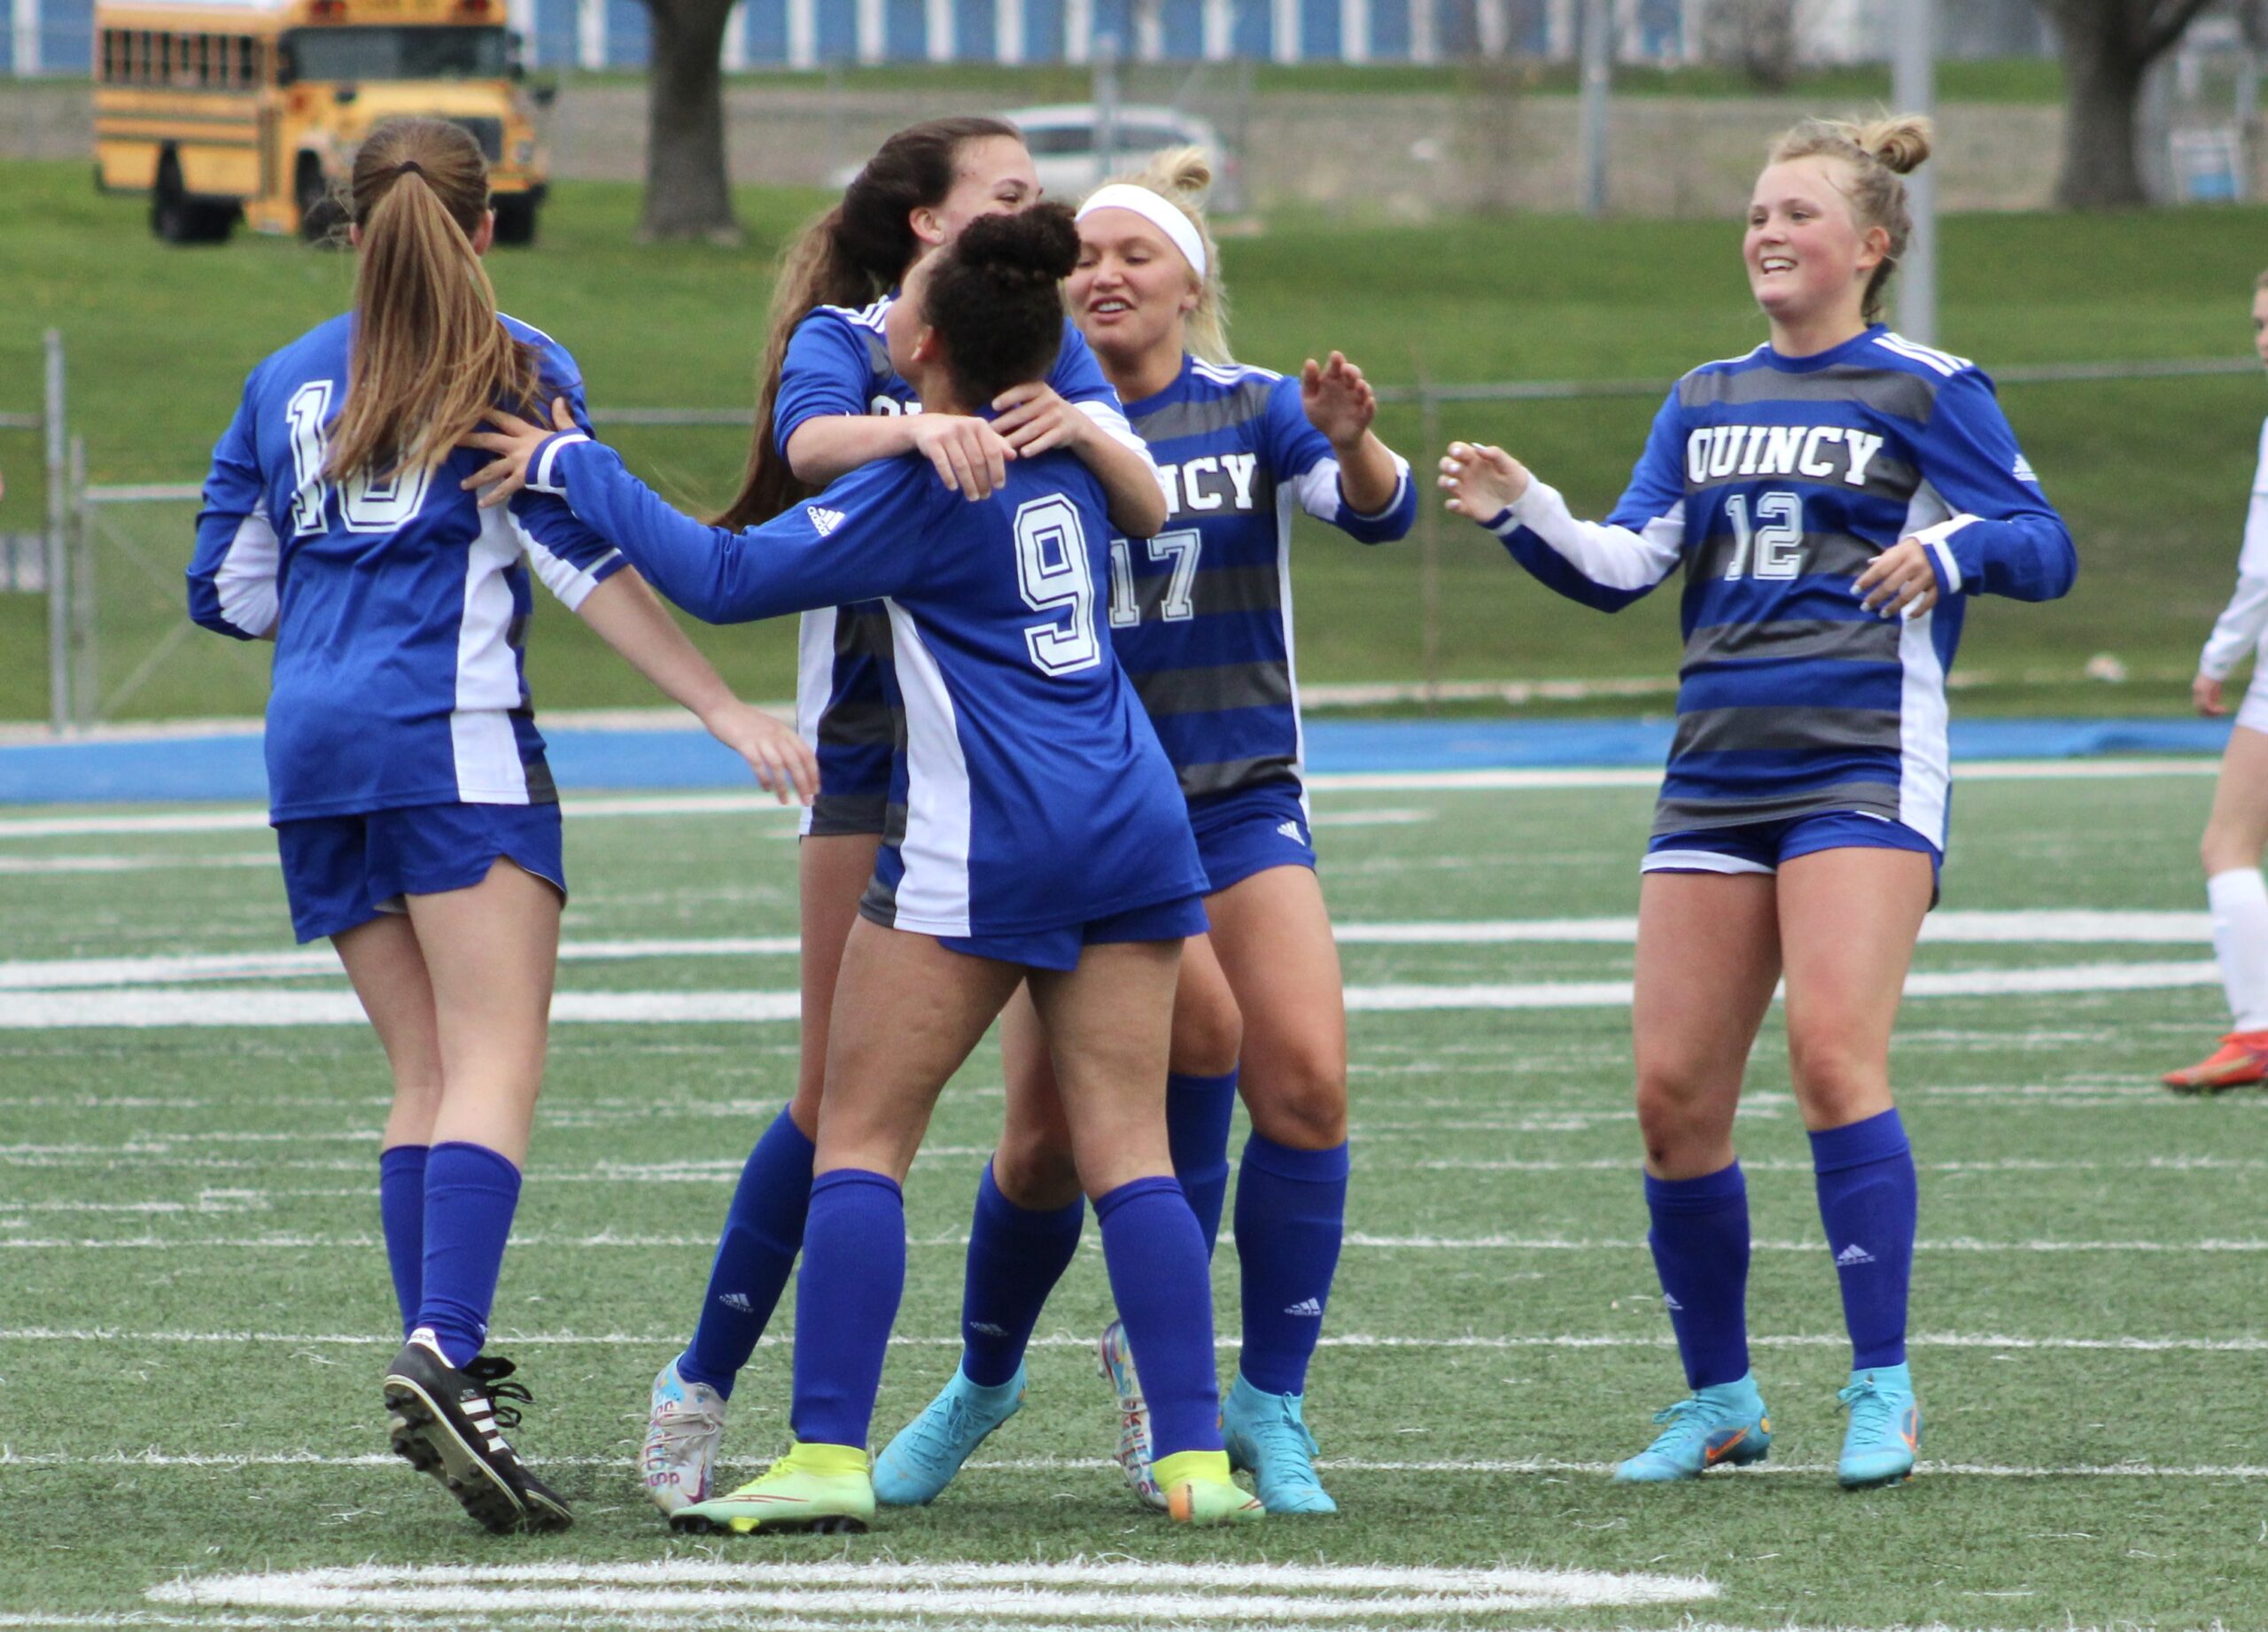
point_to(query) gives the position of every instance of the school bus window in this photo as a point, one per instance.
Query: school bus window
(365, 51)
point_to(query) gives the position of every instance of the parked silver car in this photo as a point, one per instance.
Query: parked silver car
(1065, 141)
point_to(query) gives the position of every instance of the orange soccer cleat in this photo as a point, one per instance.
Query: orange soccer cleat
(2241, 1059)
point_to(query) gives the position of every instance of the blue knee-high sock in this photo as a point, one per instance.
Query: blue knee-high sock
(1701, 1244)
(401, 1219)
(1159, 1277)
(846, 1298)
(1015, 1257)
(1290, 1215)
(471, 1193)
(1197, 1112)
(764, 1230)
(1870, 1199)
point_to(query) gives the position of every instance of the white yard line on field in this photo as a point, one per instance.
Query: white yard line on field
(1066, 1340)
(227, 1006)
(536, 1240)
(10, 1458)
(731, 803)
(2017, 929)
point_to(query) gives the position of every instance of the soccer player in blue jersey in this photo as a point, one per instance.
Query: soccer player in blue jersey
(1835, 497)
(1200, 615)
(832, 402)
(1037, 839)
(2237, 829)
(417, 817)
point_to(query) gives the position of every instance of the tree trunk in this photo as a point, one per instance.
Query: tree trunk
(688, 194)
(2102, 96)
(2106, 46)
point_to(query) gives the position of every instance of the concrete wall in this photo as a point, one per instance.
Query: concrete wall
(1396, 156)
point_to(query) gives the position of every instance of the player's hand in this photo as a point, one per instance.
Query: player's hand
(1338, 399)
(1035, 419)
(1482, 481)
(970, 456)
(1899, 582)
(514, 442)
(782, 761)
(2205, 692)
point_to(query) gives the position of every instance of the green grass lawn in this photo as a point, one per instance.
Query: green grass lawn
(2152, 474)
(196, 1314)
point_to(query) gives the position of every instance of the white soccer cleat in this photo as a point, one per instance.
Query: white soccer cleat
(683, 1429)
(1133, 1417)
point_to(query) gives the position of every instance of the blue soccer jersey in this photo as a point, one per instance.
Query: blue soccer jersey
(1029, 792)
(1201, 614)
(1775, 481)
(399, 607)
(838, 363)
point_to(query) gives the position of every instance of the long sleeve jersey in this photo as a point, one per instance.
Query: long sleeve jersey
(1775, 481)
(398, 607)
(2236, 635)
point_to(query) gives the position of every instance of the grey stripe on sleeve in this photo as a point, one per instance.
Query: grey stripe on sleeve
(842, 815)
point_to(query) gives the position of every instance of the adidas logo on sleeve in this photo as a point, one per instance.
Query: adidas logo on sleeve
(825, 520)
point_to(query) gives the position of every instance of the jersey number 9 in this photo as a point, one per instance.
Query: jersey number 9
(1055, 576)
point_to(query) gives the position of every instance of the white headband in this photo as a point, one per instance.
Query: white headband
(1160, 212)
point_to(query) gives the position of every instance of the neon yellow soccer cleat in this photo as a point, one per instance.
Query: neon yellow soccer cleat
(1199, 1490)
(826, 1488)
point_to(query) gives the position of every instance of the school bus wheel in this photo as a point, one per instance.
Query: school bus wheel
(179, 218)
(515, 219)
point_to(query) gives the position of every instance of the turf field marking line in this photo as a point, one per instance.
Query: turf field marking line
(1387, 1243)
(1227, 1345)
(1140, 1592)
(727, 803)
(10, 1458)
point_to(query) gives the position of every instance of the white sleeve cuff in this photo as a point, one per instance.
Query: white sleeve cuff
(541, 474)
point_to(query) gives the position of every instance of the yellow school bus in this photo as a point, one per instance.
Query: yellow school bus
(222, 110)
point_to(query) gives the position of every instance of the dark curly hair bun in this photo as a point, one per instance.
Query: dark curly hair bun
(1040, 244)
(992, 296)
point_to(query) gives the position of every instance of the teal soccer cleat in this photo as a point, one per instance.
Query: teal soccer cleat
(1725, 1424)
(1886, 1431)
(915, 1467)
(1267, 1434)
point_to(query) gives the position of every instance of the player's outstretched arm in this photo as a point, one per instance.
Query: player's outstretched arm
(631, 618)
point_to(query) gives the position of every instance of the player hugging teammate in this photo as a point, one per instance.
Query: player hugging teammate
(1048, 696)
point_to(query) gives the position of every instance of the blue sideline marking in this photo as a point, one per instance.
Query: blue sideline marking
(189, 770)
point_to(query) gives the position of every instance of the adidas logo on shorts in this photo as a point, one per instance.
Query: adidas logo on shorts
(826, 521)
(1291, 830)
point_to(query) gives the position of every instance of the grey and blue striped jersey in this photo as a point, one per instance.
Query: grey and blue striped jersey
(1200, 615)
(1774, 481)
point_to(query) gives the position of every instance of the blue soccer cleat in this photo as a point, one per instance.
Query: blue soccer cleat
(1266, 1433)
(1886, 1431)
(1723, 1424)
(915, 1467)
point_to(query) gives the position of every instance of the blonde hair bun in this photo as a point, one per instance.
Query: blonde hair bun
(1183, 170)
(1901, 142)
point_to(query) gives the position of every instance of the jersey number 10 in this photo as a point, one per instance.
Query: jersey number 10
(364, 504)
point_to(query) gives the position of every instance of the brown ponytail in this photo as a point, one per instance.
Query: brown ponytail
(850, 256)
(428, 356)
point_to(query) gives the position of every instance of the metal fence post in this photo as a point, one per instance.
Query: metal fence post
(59, 584)
(1429, 546)
(86, 676)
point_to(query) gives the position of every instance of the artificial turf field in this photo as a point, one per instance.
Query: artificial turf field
(194, 1310)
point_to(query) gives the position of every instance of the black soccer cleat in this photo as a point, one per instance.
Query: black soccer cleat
(448, 1422)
